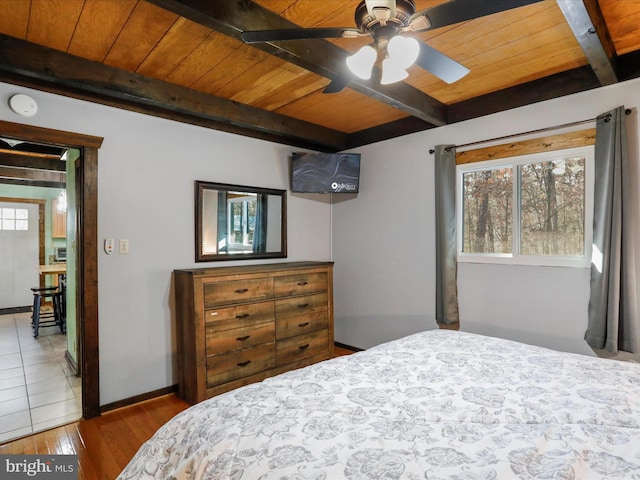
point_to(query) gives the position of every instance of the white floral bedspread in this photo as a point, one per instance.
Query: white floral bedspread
(435, 405)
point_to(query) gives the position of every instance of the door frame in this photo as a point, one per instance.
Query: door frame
(87, 248)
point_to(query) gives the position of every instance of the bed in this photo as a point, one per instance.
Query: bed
(440, 404)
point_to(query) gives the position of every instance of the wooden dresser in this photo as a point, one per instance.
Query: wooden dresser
(239, 325)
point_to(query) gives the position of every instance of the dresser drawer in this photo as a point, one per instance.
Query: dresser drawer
(297, 325)
(225, 318)
(240, 363)
(302, 346)
(300, 284)
(300, 306)
(241, 324)
(237, 291)
(237, 338)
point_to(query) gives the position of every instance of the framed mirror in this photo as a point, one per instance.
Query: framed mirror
(235, 222)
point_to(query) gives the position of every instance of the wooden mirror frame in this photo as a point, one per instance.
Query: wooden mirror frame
(201, 256)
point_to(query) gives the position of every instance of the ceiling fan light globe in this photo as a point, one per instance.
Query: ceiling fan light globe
(403, 50)
(361, 62)
(392, 72)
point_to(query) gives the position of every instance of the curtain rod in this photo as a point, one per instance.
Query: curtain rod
(572, 124)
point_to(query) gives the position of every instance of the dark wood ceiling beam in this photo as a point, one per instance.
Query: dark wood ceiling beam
(40, 67)
(629, 66)
(547, 88)
(553, 86)
(11, 159)
(397, 128)
(588, 25)
(30, 183)
(34, 175)
(232, 17)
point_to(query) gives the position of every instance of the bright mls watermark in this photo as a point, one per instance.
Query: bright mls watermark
(343, 187)
(49, 467)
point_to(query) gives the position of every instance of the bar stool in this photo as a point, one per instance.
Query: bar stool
(47, 319)
(62, 285)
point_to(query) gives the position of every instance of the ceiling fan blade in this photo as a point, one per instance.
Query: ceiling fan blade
(440, 65)
(257, 36)
(338, 83)
(456, 11)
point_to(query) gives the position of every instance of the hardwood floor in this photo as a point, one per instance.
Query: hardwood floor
(105, 444)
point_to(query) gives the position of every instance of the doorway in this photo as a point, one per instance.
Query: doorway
(40, 386)
(86, 251)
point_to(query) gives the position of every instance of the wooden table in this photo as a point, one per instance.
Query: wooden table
(53, 269)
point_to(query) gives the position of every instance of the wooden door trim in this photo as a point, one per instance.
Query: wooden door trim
(87, 297)
(87, 271)
(19, 131)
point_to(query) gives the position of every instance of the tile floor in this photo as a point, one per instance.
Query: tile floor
(37, 388)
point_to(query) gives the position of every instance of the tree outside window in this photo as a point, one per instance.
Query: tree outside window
(242, 217)
(552, 207)
(526, 208)
(487, 224)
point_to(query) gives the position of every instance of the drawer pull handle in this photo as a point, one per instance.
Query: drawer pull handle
(302, 284)
(303, 347)
(244, 364)
(243, 315)
(242, 339)
(301, 325)
(242, 290)
(303, 305)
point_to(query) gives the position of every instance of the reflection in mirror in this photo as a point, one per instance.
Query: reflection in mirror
(235, 222)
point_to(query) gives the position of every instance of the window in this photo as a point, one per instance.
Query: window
(14, 219)
(242, 219)
(531, 209)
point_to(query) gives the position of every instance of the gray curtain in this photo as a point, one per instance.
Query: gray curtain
(260, 225)
(613, 305)
(446, 267)
(223, 240)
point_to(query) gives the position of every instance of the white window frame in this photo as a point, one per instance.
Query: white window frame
(244, 201)
(19, 224)
(515, 258)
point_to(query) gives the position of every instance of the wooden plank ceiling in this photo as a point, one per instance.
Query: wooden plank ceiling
(184, 60)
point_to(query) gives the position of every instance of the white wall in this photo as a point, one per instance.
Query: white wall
(384, 241)
(146, 172)
(381, 240)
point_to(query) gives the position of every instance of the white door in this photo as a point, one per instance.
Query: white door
(18, 253)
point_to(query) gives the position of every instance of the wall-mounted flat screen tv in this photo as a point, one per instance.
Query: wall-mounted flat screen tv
(325, 172)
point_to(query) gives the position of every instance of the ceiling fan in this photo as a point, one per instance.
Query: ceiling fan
(386, 21)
